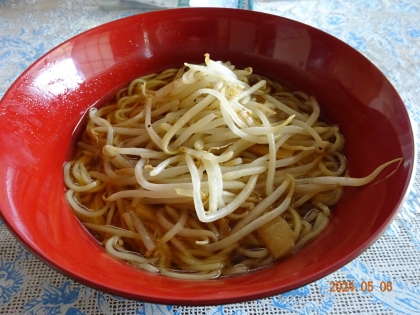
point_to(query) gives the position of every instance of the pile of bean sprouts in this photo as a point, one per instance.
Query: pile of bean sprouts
(178, 172)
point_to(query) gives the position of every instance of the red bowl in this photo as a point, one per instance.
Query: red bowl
(43, 107)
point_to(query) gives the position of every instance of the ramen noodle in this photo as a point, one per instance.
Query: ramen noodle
(207, 171)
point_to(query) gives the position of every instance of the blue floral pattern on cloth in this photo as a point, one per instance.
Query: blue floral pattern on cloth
(387, 32)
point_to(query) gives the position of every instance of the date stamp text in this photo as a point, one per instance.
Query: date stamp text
(365, 286)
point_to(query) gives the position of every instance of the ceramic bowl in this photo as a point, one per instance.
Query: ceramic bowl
(41, 110)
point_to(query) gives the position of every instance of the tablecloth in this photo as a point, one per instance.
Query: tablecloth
(386, 31)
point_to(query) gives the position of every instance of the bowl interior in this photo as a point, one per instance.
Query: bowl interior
(41, 110)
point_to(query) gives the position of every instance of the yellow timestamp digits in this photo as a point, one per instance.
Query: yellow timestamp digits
(365, 286)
